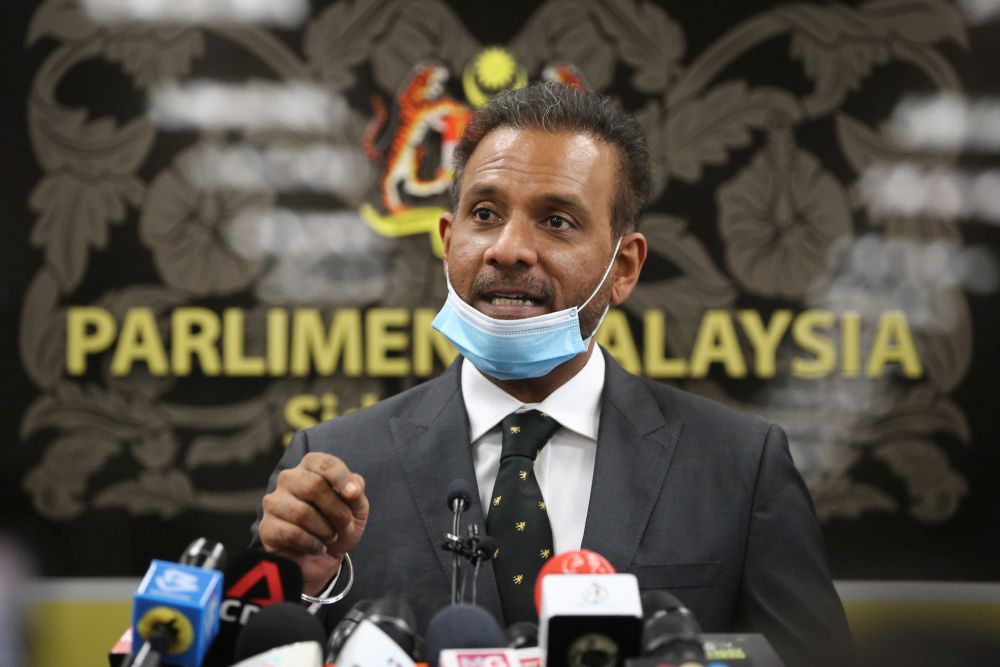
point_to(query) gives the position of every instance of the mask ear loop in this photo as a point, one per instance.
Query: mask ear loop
(614, 256)
(607, 272)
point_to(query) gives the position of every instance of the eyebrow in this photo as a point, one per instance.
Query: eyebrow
(565, 201)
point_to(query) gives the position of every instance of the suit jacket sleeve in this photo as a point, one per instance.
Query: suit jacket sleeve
(787, 593)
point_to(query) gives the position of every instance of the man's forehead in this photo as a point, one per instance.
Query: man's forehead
(568, 160)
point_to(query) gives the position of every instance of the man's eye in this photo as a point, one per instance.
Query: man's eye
(482, 214)
(558, 222)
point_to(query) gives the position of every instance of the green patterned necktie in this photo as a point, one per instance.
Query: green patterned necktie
(517, 518)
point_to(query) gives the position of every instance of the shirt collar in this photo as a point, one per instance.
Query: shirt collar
(576, 405)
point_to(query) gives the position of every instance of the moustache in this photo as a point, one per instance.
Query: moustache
(524, 283)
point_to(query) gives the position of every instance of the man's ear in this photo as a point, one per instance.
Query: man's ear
(444, 229)
(628, 265)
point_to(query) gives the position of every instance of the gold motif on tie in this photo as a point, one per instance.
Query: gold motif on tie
(496, 552)
(520, 526)
(545, 553)
(544, 414)
(496, 501)
(515, 429)
(518, 578)
(523, 475)
(541, 505)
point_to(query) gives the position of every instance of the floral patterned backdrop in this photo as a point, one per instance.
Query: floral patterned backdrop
(244, 176)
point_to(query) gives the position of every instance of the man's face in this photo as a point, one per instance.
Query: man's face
(531, 233)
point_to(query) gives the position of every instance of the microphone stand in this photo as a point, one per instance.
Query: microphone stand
(453, 543)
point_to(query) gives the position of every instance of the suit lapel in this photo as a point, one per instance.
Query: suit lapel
(635, 445)
(433, 446)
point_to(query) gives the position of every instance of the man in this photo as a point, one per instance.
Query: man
(683, 492)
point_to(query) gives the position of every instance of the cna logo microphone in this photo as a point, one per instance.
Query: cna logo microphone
(254, 580)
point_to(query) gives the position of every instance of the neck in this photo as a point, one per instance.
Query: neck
(536, 390)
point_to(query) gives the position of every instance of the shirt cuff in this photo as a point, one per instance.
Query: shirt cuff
(314, 607)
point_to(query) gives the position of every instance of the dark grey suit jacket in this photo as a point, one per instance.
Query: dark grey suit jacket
(688, 495)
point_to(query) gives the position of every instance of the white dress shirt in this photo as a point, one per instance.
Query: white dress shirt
(565, 467)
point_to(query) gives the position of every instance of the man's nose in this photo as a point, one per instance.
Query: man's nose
(514, 244)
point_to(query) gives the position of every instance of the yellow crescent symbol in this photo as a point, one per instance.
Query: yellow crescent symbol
(156, 616)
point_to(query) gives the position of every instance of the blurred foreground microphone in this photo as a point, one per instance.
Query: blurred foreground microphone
(385, 635)
(280, 627)
(301, 654)
(345, 628)
(458, 627)
(255, 579)
(459, 500)
(175, 612)
(522, 635)
(589, 616)
(670, 632)
(205, 553)
(581, 561)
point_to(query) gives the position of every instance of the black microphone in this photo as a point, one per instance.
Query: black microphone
(277, 625)
(482, 549)
(522, 635)
(381, 632)
(254, 580)
(670, 631)
(462, 626)
(459, 500)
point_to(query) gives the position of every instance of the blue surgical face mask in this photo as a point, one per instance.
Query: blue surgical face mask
(515, 349)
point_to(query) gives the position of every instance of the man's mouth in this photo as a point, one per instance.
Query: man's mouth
(512, 300)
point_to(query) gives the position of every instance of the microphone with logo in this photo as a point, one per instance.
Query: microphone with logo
(175, 611)
(589, 616)
(280, 634)
(380, 632)
(254, 580)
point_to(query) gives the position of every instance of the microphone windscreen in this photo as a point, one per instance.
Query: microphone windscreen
(581, 561)
(254, 580)
(462, 626)
(669, 628)
(277, 625)
(459, 488)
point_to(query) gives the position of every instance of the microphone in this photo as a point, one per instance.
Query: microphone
(522, 635)
(276, 626)
(255, 579)
(589, 615)
(345, 628)
(176, 609)
(581, 561)
(670, 632)
(385, 635)
(459, 500)
(482, 549)
(204, 553)
(300, 654)
(461, 626)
